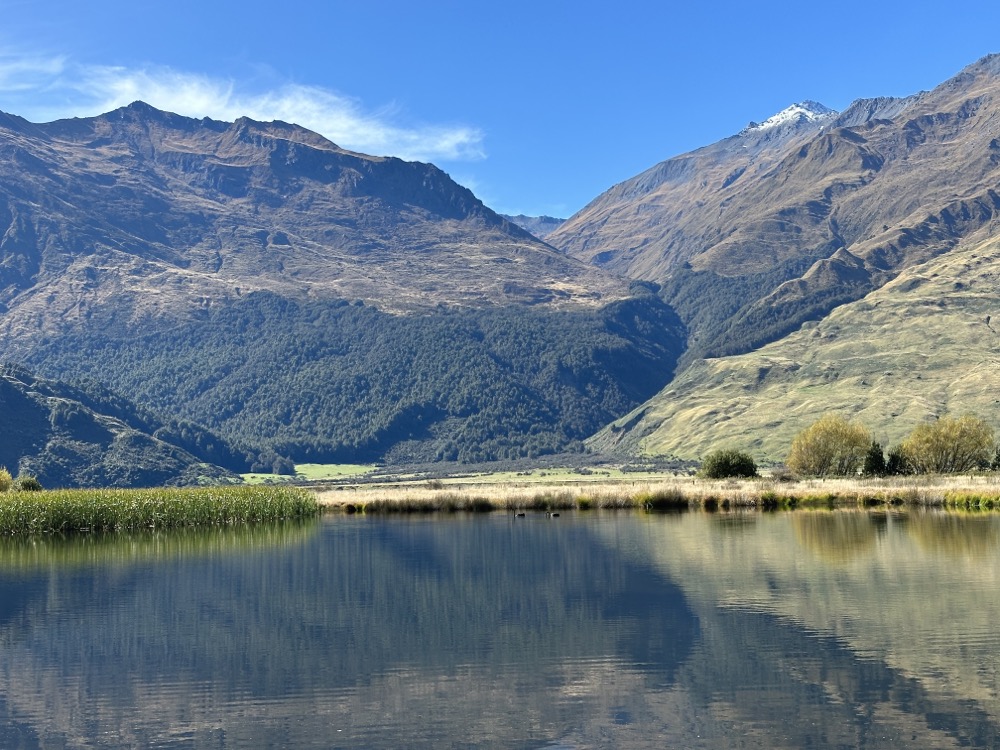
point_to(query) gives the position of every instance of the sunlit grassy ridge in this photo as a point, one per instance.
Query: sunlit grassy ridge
(922, 346)
(67, 511)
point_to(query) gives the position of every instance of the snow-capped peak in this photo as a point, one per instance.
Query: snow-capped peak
(803, 112)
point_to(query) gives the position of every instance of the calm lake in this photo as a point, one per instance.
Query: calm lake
(622, 630)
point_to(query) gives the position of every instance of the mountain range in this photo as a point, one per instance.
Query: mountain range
(847, 265)
(539, 226)
(772, 227)
(303, 302)
(298, 298)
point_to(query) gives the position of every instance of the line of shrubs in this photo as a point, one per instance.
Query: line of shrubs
(834, 446)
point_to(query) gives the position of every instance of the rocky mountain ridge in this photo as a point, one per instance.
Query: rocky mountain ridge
(866, 271)
(141, 214)
(752, 238)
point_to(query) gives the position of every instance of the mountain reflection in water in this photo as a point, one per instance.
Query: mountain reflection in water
(589, 630)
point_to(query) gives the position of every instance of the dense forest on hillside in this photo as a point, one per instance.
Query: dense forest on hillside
(333, 381)
(724, 313)
(85, 436)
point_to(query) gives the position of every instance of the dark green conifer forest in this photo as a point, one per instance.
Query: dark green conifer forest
(321, 381)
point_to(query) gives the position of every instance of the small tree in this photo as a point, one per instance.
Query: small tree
(830, 446)
(950, 445)
(725, 463)
(6, 481)
(874, 461)
(895, 462)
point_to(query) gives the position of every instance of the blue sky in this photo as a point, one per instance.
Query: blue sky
(537, 106)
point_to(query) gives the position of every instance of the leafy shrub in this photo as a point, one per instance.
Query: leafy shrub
(725, 463)
(27, 483)
(6, 481)
(782, 474)
(949, 445)
(895, 462)
(829, 446)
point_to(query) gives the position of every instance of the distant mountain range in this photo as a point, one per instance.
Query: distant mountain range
(304, 302)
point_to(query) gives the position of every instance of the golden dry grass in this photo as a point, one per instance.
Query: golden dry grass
(664, 493)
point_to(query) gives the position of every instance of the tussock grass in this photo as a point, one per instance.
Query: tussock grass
(70, 511)
(973, 500)
(679, 493)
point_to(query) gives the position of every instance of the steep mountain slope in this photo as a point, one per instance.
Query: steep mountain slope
(69, 437)
(753, 236)
(923, 345)
(650, 224)
(167, 215)
(256, 278)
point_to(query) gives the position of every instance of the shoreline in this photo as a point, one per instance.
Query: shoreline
(976, 492)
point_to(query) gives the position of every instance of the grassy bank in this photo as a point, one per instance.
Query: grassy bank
(70, 511)
(974, 493)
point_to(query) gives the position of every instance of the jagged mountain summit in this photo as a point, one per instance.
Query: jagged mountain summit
(643, 227)
(801, 113)
(172, 214)
(300, 298)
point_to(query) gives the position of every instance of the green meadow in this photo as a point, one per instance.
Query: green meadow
(312, 473)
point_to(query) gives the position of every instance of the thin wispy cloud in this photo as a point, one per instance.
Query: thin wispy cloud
(25, 74)
(43, 89)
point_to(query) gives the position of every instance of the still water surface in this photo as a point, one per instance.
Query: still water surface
(794, 630)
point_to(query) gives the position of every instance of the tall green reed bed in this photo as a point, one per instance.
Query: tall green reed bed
(69, 511)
